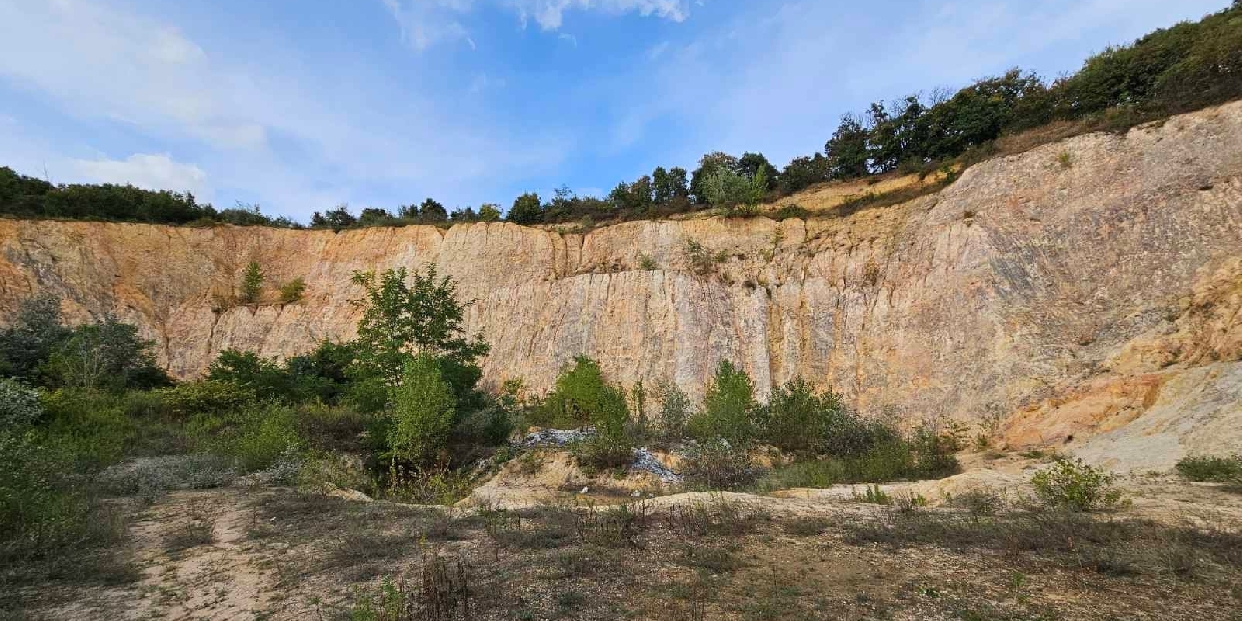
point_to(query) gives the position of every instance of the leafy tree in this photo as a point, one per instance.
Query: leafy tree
(406, 314)
(408, 212)
(801, 420)
(708, 167)
(527, 209)
(373, 216)
(846, 151)
(489, 212)
(106, 355)
(727, 188)
(252, 283)
(339, 218)
(752, 165)
(635, 196)
(19, 405)
(324, 372)
(37, 332)
(423, 411)
(248, 370)
(729, 408)
(432, 211)
(804, 172)
(464, 215)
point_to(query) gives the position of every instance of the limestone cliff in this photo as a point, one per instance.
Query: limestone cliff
(1085, 288)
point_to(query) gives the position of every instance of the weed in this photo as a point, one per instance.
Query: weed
(1215, 469)
(1076, 486)
(647, 263)
(874, 495)
(1065, 159)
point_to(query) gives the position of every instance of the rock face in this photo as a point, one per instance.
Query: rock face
(1096, 302)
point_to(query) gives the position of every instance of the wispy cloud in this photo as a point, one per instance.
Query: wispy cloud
(425, 23)
(155, 172)
(266, 129)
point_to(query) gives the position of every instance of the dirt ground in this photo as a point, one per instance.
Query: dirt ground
(1174, 553)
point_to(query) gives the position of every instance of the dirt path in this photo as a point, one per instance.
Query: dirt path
(194, 561)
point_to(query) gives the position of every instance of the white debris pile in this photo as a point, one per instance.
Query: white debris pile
(556, 437)
(646, 462)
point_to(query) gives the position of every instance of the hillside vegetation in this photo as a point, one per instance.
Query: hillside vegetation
(1174, 70)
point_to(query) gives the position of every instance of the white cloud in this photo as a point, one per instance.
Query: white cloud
(266, 131)
(777, 79)
(425, 23)
(565, 36)
(154, 172)
(550, 14)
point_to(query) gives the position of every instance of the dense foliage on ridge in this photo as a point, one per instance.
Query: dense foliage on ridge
(1169, 71)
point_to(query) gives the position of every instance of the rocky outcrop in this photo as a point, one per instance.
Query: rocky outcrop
(1075, 297)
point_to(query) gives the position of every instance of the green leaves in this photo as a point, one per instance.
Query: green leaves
(422, 412)
(405, 314)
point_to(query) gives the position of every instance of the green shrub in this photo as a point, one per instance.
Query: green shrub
(799, 420)
(1216, 469)
(647, 263)
(1076, 486)
(90, 427)
(45, 512)
(19, 405)
(490, 426)
(729, 409)
(791, 211)
(674, 412)
(265, 435)
(252, 283)
(422, 413)
(105, 356)
(816, 474)
(189, 399)
(292, 291)
(718, 465)
(874, 495)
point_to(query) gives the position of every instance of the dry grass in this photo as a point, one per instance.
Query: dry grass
(721, 559)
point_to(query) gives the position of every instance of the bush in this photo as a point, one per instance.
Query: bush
(252, 283)
(204, 397)
(108, 356)
(292, 291)
(818, 474)
(674, 412)
(1076, 486)
(422, 414)
(1214, 469)
(799, 420)
(718, 465)
(19, 405)
(729, 409)
(267, 433)
(41, 506)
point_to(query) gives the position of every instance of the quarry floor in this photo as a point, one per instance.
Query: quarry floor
(276, 553)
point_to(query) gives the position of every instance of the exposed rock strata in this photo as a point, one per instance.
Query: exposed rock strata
(1077, 299)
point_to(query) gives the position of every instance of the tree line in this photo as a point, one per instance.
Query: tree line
(1172, 70)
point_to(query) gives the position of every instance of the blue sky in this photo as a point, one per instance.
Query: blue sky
(301, 105)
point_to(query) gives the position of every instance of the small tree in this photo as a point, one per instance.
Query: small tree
(422, 412)
(729, 408)
(37, 332)
(489, 212)
(674, 411)
(527, 209)
(106, 355)
(401, 318)
(252, 283)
